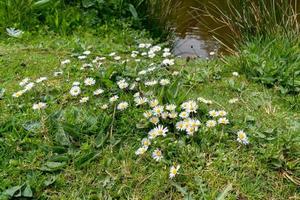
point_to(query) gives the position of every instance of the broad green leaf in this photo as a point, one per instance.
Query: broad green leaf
(88, 3)
(40, 4)
(223, 195)
(27, 192)
(53, 166)
(50, 181)
(12, 191)
(133, 11)
(61, 137)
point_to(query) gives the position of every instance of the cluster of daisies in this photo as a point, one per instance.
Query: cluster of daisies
(188, 123)
(183, 116)
(27, 85)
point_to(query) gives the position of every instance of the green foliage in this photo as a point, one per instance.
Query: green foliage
(273, 61)
(247, 18)
(65, 16)
(62, 16)
(32, 15)
(78, 151)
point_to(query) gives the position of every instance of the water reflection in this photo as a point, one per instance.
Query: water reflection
(193, 38)
(196, 32)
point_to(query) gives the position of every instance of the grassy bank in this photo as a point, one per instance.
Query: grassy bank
(73, 150)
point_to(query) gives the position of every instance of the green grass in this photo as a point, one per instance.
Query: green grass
(74, 151)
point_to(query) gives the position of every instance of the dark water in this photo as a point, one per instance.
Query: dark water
(196, 33)
(194, 37)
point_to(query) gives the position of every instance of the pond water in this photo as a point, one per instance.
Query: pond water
(193, 29)
(193, 37)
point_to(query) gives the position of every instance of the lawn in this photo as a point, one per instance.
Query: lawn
(88, 148)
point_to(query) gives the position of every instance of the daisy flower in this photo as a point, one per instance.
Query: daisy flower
(161, 130)
(190, 131)
(14, 32)
(147, 114)
(41, 79)
(190, 106)
(184, 115)
(141, 150)
(89, 81)
(157, 155)
(164, 82)
(180, 126)
(75, 91)
(142, 45)
(133, 55)
(137, 94)
(151, 54)
(84, 99)
(158, 110)
(175, 73)
(64, 62)
(76, 83)
(164, 115)
(242, 137)
(205, 101)
(122, 84)
(39, 106)
(122, 106)
(153, 103)
(235, 74)
(213, 113)
(18, 94)
(133, 86)
(86, 52)
(140, 100)
(155, 48)
(166, 54)
(194, 123)
(29, 86)
(174, 171)
(57, 73)
(143, 72)
(223, 120)
(211, 123)
(151, 83)
(170, 107)
(234, 100)
(146, 142)
(113, 98)
(173, 114)
(148, 45)
(82, 57)
(222, 113)
(154, 120)
(152, 134)
(117, 57)
(98, 92)
(104, 106)
(168, 62)
(24, 82)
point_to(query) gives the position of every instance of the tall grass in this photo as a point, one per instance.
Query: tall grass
(56, 15)
(265, 34)
(247, 18)
(64, 16)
